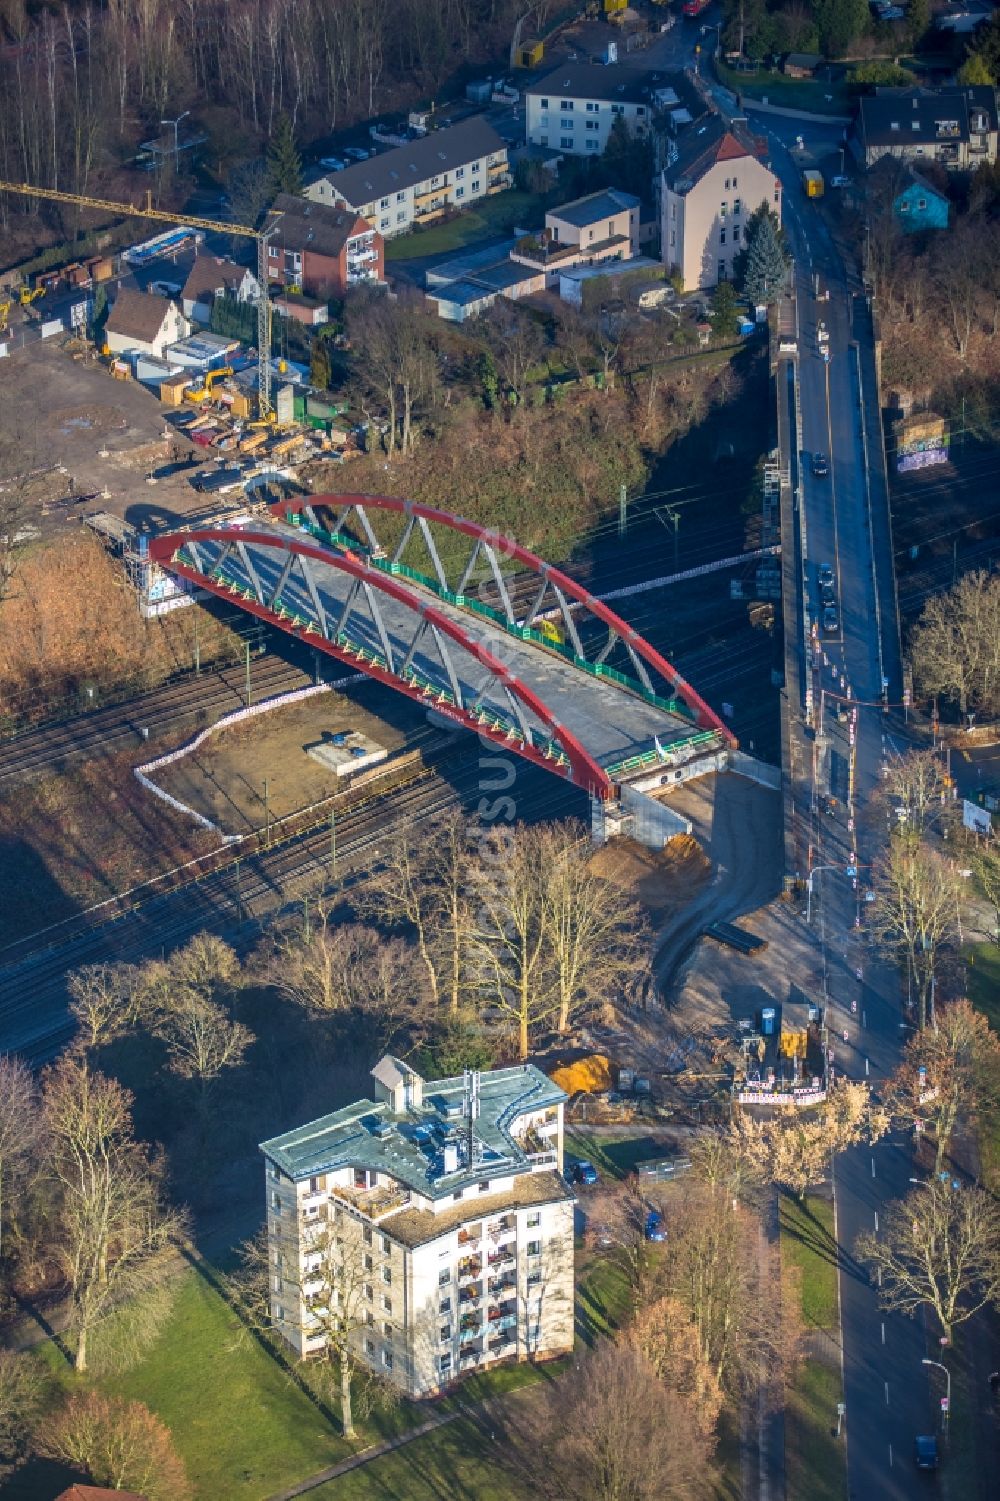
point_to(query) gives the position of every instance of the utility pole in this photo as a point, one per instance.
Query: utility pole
(333, 844)
(267, 818)
(622, 510)
(674, 517)
(197, 650)
(175, 124)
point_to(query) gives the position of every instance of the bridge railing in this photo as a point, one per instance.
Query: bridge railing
(466, 602)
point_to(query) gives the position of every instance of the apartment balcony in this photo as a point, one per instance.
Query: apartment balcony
(469, 1356)
(502, 1323)
(373, 1203)
(506, 1225)
(470, 1324)
(499, 1287)
(505, 1257)
(469, 1239)
(430, 193)
(499, 184)
(471, 1296)
(504, 1344)
(362, 257)
(470, 1268)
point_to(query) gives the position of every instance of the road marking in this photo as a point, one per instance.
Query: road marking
(873, 1159)
(864, 1018)
(866, 1076)
(879, 1270)
(887, 1394)
(883, 1334)
(890, 1456)
(876, 1227)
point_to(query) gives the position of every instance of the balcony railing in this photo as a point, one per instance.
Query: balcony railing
(500, 1286)
(375, 1203)
(469, 1241)
(500, 1258)
(469, 1268)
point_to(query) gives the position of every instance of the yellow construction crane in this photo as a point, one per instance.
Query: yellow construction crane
(216, 226)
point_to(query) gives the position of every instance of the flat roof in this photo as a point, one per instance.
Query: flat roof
(462, 293)
(414, 1227)
(409, 1146)
(611, 268)
(600, 205)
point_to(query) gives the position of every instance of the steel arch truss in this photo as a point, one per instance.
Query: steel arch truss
(531, 599)
(378, 624)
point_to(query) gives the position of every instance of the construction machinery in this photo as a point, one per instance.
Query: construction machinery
(27, 295)
(214, 226)
(204, 391)
(5, 308)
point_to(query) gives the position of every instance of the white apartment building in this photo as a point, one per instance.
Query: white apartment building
(714, 180)
(573, 109)
(416, 183)
(442, 1208)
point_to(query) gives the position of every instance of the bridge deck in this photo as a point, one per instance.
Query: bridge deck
(611, 722)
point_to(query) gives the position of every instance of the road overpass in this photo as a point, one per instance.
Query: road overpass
(468, 621)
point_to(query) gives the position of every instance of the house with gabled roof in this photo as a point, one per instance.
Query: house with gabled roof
(320, 249)
(211, 277)
(717, 175)
(144, 323)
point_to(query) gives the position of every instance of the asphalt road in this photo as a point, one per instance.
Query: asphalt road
(888, 1398)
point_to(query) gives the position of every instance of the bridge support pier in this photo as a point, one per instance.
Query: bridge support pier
(637, 816)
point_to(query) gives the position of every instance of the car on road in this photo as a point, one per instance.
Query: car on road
(655, 1229)
(840, 181)
(827, 594)
(831, 620)
(165, 288)
(357, 153)
(825, 576)
(926, 1451)
(820, 467)
(585, 1173)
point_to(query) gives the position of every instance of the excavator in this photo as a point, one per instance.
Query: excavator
(204, 391)
(27, 295)
(4, 315)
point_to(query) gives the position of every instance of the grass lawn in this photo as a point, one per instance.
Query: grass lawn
(492, 216)
(815, 1461)
(789, 93)
(614, 1156)
(453, 1461)
(241, 1425)
(807, 1242)
(983, 960)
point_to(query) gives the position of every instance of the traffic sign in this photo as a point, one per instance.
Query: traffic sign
(944, 1404)
(850, 870)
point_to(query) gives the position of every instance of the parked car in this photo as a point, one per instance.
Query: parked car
(825, 575)
(357, 153)
(841, 180)
(926, 1451)
(332, 163)
(820, 467)
(827, 595)
(831, 620)
(585, 1173)
(165, 288)
(656, 1230)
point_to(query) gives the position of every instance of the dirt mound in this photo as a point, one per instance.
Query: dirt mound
(590, 1075)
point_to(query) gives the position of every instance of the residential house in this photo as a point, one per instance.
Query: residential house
(590, 286)
(443, 1207)
(320, 249)
(801, 64)
(418, 182)
(210, 278)
(716, 177)
(301, 309)
(575, 107)
(603, 226)
(919, 204)
(144, 323)
(80, 1492)
(956, 127)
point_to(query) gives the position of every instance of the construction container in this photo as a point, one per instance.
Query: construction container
(101, 268)
(615, 7)
(530, 54)
(284, 404)
(812, 183)
(768, 1018)
(479, 92)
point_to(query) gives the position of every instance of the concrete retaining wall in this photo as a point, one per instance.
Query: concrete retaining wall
(757, 771)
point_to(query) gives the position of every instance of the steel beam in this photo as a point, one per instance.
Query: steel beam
(305, 567)
(245, 559)
(491, 558)
(379, 624)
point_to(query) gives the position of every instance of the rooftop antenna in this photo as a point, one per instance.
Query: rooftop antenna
(470, 1109)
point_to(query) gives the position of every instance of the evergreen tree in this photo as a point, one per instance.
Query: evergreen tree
(765, 263)
(975, 70)
(724, 320)
(284, 165)
(320, 365)
(840, 23)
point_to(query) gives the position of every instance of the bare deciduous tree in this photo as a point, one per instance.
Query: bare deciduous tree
(349, 968)
(955, 646)
(609, 1430)
(917, 783)
(105, 1000)
(113, 1237)
(21, 1133)
(940, 1249)
(202, 1038)
(22, 1387)
(918, 894)
(508, 940)
(666, 1334)
(948, 1070)
(119, 1444)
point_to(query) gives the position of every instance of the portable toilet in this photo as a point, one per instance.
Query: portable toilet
(767, 1021)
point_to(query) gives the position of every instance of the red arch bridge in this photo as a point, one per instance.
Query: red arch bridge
(466, 620)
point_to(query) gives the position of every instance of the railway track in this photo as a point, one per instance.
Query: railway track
(118, 726)
(239, 900)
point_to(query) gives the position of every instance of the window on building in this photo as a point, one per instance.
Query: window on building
(387, 1331)
(445, 1364)
(566, 142)
(734, 184)
(727, 184)
(369, 1264)
(722, 236)
(591, 107)
(673, 238)
(369, 1347)
(279, 1313)
(444, 1306)
(543, 140)
(736, 234)
(534, 1219)
(276, 1202)
(459, 173)
(722, 271)
(534, 1248)
(386, 1244)
(723, 210)
(567, 105)
(384, 203)
(457, 1195)
(592, 145)
(367, 1235)
(383, 223)
(387, 1359)
(369, 1292)
(484, 1186)
(275, 1170)
(904, 207)
(673, 211)
(640, 111)
(921, 203)
(590, 234)
(544, 103)
(777, 195)
(474, 167)
(278, 1285)
(534, 1279)
(444, 1334)
(387, 1276)
(444, 1276)
(386, 1304)
(736, 208)
(459, 192)
(369, 1318)
(617, 109)
(593, 125)
(401, 218)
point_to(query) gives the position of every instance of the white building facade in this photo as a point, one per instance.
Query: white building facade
(451, 1222)
(574, 109)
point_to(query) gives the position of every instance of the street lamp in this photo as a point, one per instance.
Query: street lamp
(175, 124)
(946, 1406)
(816, 870)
